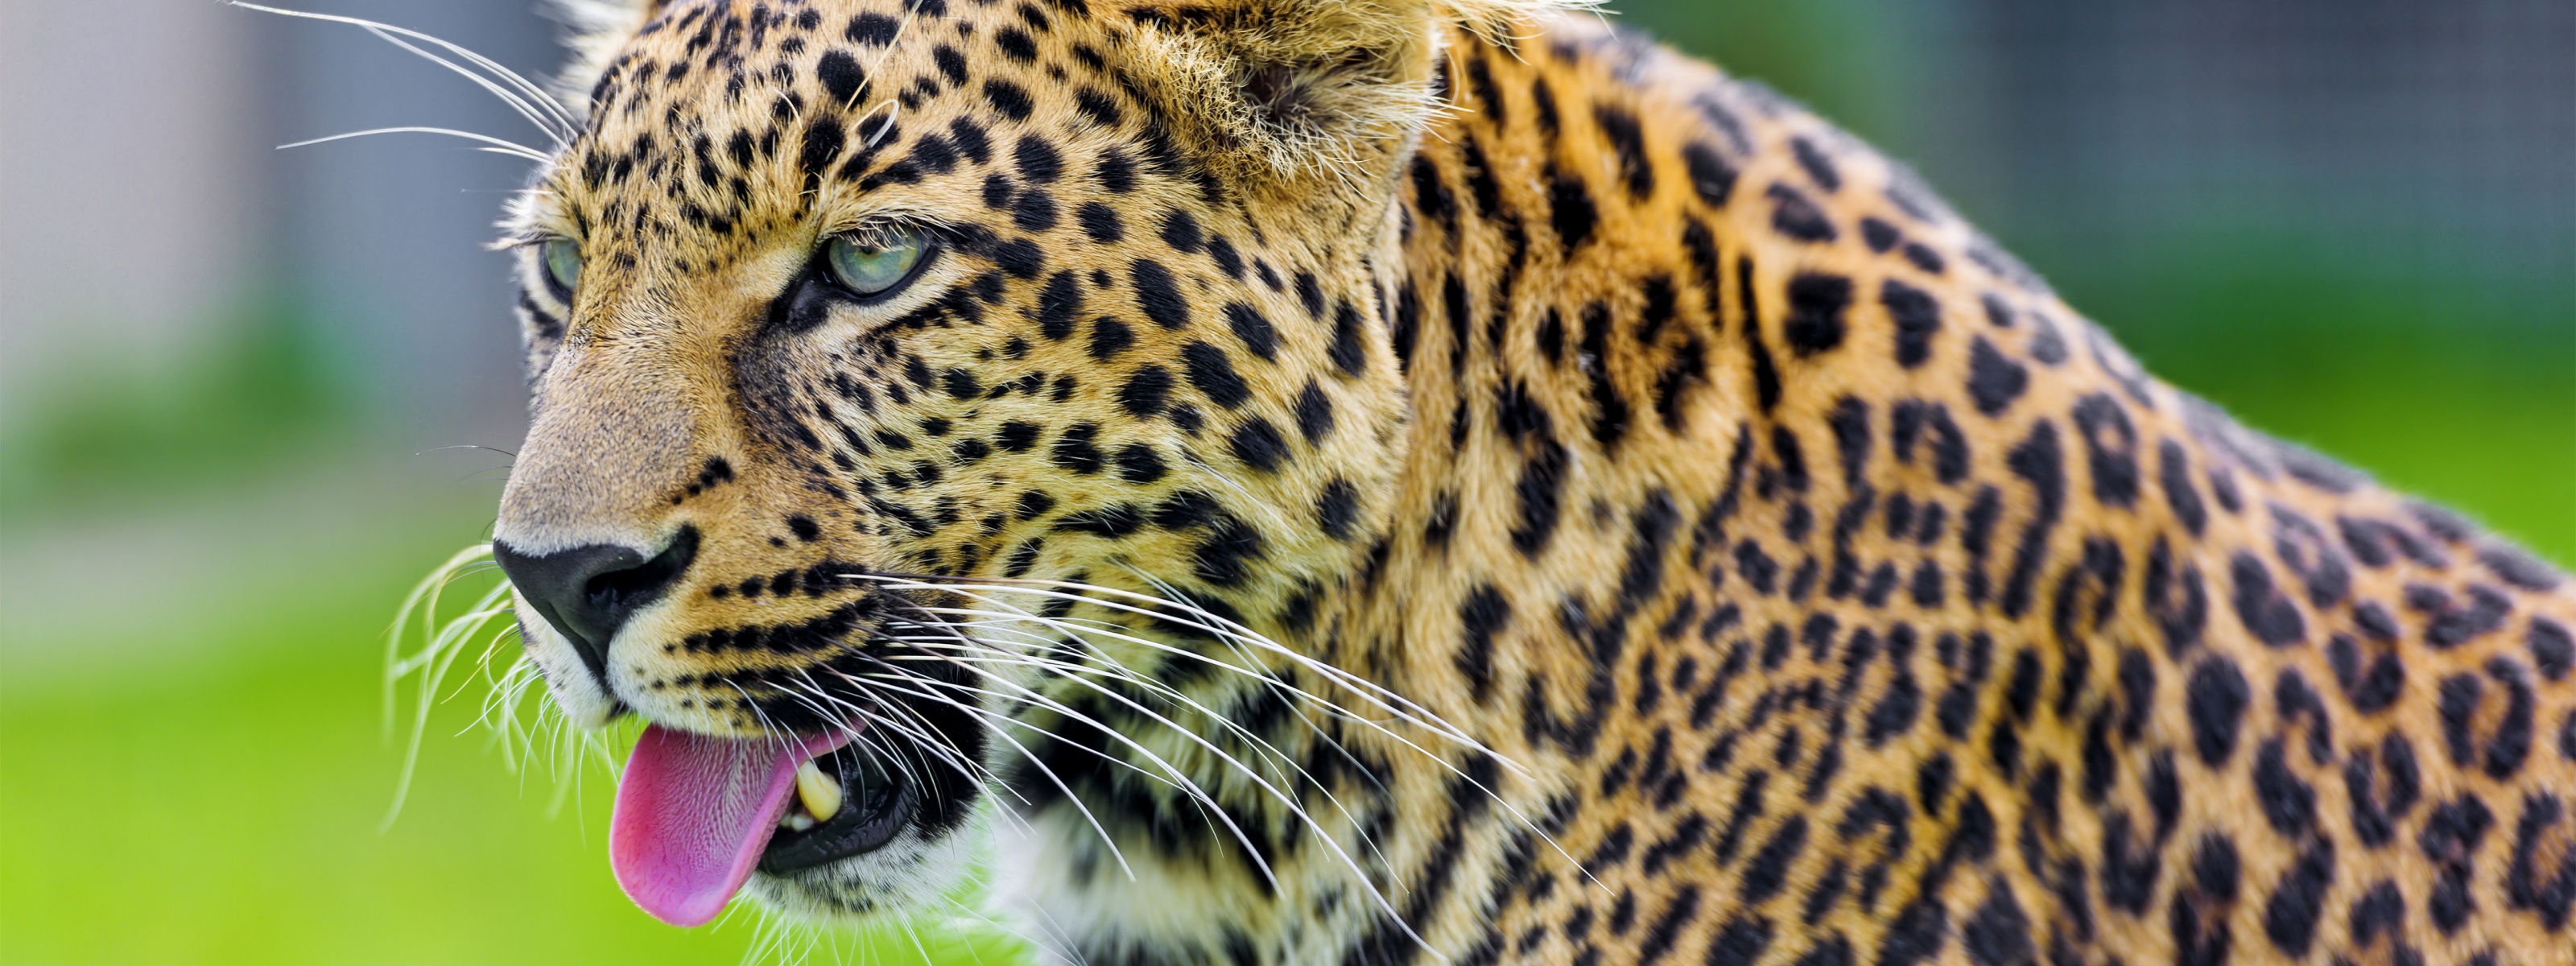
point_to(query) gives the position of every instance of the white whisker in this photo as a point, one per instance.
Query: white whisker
(1337, 709)
(1197, 793)
(1003, 724)
(1158, 689)
(1402, 708)
(519, 105)
(558, 122)
(497, 145)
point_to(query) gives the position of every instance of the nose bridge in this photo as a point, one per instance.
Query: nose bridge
(615, 435)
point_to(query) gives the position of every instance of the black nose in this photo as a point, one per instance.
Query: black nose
(588, 592)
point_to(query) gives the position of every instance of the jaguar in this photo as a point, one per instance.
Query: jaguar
(1412, 481)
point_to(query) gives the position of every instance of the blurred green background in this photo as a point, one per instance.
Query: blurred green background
(230, 443)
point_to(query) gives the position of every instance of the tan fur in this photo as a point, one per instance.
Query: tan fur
(1597, 404)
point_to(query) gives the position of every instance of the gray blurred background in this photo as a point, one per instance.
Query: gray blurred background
(239, 387)
(150, 224)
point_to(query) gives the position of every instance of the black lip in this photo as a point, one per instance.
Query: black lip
(877, 804)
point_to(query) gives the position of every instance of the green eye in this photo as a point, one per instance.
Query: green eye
(563, 264)
(872, 265)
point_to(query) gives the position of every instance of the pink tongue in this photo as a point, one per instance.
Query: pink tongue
(693, 813)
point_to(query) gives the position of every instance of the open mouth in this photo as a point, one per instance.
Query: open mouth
(696, 814)
(845, 805)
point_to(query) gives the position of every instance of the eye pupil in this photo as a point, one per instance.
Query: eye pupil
(874, 265)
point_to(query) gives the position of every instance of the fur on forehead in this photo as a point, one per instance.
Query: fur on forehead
(1265, 91)
(595, 29)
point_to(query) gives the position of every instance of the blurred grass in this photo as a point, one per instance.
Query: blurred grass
(235, 813)
(231, 818)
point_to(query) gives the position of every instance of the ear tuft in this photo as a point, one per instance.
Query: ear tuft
(1286, 93)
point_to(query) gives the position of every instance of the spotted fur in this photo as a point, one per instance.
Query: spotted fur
(1757, 563)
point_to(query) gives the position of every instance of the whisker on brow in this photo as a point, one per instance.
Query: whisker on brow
(497, 145)
(524, 96)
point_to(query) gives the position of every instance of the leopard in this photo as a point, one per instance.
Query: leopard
(1266, 482)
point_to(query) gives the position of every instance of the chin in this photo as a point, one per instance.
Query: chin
(890, 850)
(917, 871)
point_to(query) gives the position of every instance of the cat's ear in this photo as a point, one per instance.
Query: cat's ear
(1293, 93)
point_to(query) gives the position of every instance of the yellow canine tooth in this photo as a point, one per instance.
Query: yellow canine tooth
(821, 795)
